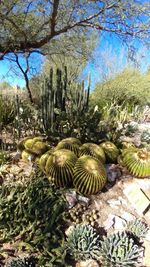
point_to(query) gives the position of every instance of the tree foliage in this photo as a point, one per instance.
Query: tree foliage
(29, 25)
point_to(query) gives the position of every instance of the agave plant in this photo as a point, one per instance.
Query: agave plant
(137, 161)
(138, 228)
(89, 175)
(70, 143)
(93, 150)
(111, 151)
(59, 167)
(119, 250)
(145, 137)
(83, 243)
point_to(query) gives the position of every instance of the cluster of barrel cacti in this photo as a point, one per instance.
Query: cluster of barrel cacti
(82, 166)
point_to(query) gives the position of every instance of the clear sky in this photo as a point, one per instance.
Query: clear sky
(110, 55)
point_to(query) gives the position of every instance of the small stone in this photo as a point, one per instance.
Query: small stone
(114, 203)
(71, 198)
(119, 223)
(113, 172)
(128, 216)
(88, 263)
(83, 199)
(109, 222)
(69, 230)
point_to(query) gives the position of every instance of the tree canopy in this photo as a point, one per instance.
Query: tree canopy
(29, 25)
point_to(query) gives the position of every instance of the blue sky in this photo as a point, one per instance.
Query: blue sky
(109, 55)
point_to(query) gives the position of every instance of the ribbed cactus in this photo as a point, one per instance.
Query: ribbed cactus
(57, 97)
(137, 161)
(83, 243)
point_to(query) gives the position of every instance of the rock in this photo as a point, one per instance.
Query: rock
(109, 222)
(113, 203)
(69, 230)
(87, 263)
(113, 172)
(128, 216)
(147, 253)
(119, 223)
(85, 200)
(71, 198)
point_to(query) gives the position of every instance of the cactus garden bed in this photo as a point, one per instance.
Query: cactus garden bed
(71, 205)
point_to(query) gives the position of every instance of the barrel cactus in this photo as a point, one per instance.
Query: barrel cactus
(43, 159)
(27, 156)
(93, 150)
(111, 151)
(59, 167)
(137, 161)
(36, 145)
(83, 243)
(89, 175)
(70, 143)
(119, 250)
(137, 228)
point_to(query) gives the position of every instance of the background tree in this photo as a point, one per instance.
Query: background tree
(31, 24)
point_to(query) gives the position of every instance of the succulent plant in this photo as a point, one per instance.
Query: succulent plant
(138, 228)
(59, 167)
(145, 137)
(111, 151)
(89, 175)
(83, 243)
(43, 159)
(93, 150)
(119, 250)
(36, 145)
(21, 262)
(137, 161)
(126, 144)
(20, 145)
(70, 143)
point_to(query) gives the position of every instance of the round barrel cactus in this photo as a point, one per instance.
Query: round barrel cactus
(59, 167)
(36, 145)
(93, 150)
(111, 151)
(89, 175)
(137, 161)
(43, 159)
(70, 143)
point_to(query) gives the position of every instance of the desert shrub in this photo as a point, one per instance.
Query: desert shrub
(7, 111)
(33, 210)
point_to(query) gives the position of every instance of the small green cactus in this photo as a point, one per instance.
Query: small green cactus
(145, 137)
(83, 243)
(138, 228)
(119, 250)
